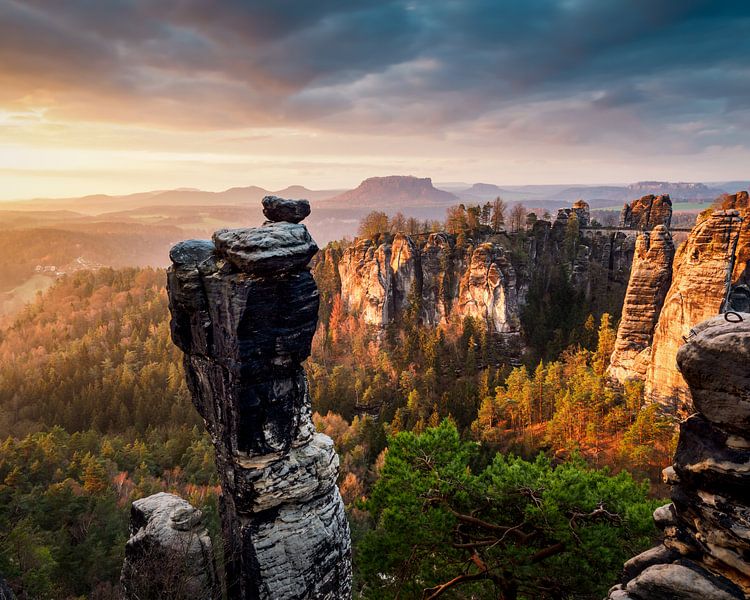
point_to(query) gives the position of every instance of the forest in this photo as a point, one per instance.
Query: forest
(94, 413)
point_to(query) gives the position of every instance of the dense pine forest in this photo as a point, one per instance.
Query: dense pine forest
(94, 413)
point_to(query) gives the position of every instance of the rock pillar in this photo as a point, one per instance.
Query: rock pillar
(244, 311)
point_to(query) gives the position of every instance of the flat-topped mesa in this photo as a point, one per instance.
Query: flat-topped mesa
(705, 554)
(650, 277)
(647, 212)
(715, 256)
(244, 311)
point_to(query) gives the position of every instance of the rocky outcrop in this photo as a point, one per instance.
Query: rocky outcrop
(278, 209)
(716, 252)
(441, 280)
(169, 553)
(705, 554)
(647, 212)
(650, 277)
(583, 212)
(244, 311)
(448, 277)
(488, 290)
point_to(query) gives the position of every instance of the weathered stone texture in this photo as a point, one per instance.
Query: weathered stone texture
(647, 212)
(169, 553)
(650, 277)
(705, 553)
(244, 313)
(697, 292)
(486, 278)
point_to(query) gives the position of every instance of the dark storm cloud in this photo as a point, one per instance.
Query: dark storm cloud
(611, 69)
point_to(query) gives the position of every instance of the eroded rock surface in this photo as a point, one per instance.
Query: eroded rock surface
(449, 277)
(699, 284)
(244, 313)
(650, 277)
(169, 553)
(705, 553)
(647, 212)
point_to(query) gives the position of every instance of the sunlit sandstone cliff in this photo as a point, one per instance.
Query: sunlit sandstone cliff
(718, 242)
(244, 310)
(487, 277)
(650, 277)
(705, 554)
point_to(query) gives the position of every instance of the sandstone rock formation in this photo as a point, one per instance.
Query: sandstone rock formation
(488, 290)
(244, 311)
(650, 277)
(705, 554)
(487, 277)
(647, 212)
(699, 285)
(169, 553)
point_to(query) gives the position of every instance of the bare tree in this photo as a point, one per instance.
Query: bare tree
(499, 207)
(517, 217)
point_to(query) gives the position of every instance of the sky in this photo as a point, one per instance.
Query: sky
(118, 96)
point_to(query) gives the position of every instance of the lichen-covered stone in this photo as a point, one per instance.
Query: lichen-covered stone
(279, 209)
(169, 553)
(245, 317)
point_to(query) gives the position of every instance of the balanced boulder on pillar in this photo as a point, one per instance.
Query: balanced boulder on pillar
(244, 311)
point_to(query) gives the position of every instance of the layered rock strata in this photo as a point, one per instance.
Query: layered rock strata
(169, 553)
(244, 311)
(714, 257)
(487, 277)
(705, 554)
(647, 212)
(650, 277)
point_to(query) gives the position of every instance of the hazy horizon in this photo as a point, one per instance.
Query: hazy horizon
(125, 97)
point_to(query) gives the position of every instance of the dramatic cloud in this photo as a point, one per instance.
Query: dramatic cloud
(562, 82)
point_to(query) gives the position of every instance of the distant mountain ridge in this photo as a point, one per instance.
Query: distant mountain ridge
(394, 191)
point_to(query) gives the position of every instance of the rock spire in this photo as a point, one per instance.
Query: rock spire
(244, 310)
(650, 277)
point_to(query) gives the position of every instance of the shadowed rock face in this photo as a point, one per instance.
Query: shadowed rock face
(244, 311)
(169, 553)
(650, 277)
(706, 550)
